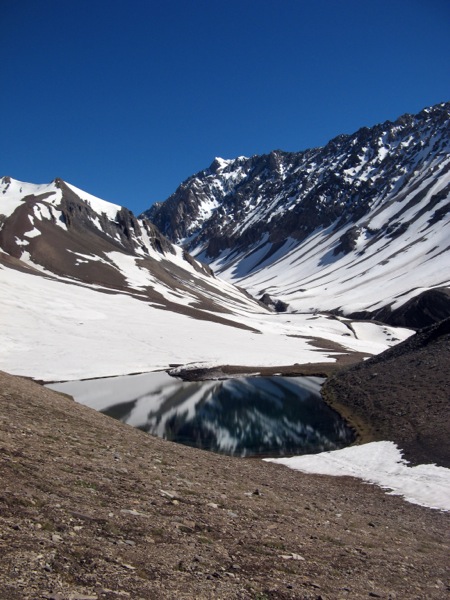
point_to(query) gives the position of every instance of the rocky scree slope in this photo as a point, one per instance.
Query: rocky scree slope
(93, 509)
(402, 394)
(57, 230)
(372, 208)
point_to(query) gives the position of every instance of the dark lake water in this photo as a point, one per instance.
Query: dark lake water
(252, 416)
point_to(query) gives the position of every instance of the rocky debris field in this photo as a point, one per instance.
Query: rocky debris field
(403, 395)
(91, 509)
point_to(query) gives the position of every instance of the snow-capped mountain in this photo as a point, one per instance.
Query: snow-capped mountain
(360, 226)
(58, 230)
(88, 290)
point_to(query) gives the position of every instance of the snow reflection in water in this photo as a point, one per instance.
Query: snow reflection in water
(252, 416)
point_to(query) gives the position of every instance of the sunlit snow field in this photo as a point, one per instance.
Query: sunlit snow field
(55, 331)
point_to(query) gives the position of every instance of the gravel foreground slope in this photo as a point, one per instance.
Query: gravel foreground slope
(93, 509)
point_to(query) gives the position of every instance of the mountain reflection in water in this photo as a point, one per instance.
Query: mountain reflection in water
(254, 416)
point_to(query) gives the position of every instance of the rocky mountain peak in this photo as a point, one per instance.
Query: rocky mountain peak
(360, 192)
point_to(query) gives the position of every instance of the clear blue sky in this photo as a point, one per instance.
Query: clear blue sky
(127, 98)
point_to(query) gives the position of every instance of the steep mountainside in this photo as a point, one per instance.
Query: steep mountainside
(358, 226)
(57, 230)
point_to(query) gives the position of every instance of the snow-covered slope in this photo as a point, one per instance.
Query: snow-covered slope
(55, 330)
(360, 226)
(60, 231)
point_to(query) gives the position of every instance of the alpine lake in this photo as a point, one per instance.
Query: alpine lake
(246, 416)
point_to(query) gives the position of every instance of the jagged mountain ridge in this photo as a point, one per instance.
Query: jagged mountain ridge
(309, 227)
(58, 230)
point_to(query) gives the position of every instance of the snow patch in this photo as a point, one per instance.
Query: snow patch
(33, 233)
(12, 194)
(136, 277)
(380, 463)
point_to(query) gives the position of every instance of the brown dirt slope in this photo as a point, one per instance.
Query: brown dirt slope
(402, 395)
(93, 509)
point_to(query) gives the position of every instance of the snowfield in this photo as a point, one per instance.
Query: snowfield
(54, 330)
